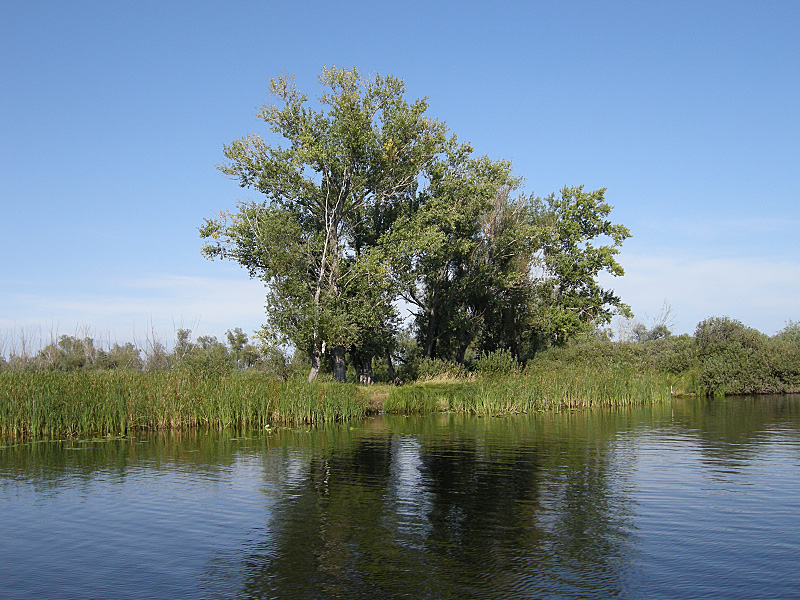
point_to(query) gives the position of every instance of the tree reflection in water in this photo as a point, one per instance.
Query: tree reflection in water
(693, 499)
(460, 508)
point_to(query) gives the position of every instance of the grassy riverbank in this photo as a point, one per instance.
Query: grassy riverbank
(76, 390)
(534, 389)
(70, 404)
(89, 403)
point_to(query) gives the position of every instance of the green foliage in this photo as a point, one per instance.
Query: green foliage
(368, 202)
(157, 358)
(570, 299)
(501, 272)
(674, 354)
(790, 333)
(784, 360)
(329, 193)
(203, 388)
(125, 356)
(723, 357)
(68, 354)
(499, 362)
(641, 333)
(717, 333)
(406, 355)
(243, 353)
(80, 403)
(454, 252)
(733, 358)
(205, 357)
(437, 368)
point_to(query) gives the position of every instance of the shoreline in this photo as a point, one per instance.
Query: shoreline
(76, 404)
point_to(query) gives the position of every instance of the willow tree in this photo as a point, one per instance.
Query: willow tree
(440, 250)
(330, 187)
(485, 270)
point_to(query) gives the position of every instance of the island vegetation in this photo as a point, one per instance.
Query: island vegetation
(368, 206)
(403, 273)
(73, 387)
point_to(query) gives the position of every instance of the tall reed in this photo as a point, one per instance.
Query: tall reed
(58, 404)
(544, 387)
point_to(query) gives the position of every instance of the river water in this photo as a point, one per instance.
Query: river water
(697, 499)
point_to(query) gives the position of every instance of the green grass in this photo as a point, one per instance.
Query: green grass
(537, 388)
(79, 404)
(75, 404)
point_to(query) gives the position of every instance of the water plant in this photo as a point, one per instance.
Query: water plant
(64, 404)
(538, 387)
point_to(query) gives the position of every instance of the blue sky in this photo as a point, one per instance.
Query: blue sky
(114, 115)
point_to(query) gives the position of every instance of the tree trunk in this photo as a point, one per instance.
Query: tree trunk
(391, 366)
(339, 365)
(462, 349)
(364, 371)
(464, 340)
(316, 361)
(430, 337)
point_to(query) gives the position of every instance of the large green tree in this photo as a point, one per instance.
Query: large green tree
(330, 191)
(368, 203)
(486, 270)
(444, 252)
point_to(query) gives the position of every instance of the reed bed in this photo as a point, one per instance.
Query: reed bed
(80, 404)
(535, 389)
(77, 404)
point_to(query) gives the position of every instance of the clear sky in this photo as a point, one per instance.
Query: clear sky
(114, 115)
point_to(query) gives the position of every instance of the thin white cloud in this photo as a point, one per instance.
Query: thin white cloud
(127, 309)
(761, 293)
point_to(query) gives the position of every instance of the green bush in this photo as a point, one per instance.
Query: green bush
(499, 362)
(433, 368)
(674, 355)
(784, 360)
(790, 333)
(736, 359)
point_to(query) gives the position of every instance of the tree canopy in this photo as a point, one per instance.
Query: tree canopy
(369, 206)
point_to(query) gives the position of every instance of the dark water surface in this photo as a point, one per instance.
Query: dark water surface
(700, 499)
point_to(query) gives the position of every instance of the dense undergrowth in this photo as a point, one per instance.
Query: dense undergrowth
(723, 357)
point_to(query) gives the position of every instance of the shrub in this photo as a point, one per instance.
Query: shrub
(790, 333)
(733, 358)
(784, 360)
(674, 355)
(126, 356)
(437, 368)
(499, 362)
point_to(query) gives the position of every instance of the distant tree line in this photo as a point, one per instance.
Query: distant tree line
(723, 356)
(204, 356)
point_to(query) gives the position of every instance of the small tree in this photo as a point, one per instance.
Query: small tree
(243, 353)
(569, 297)
(126, 356)
(69, 354)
